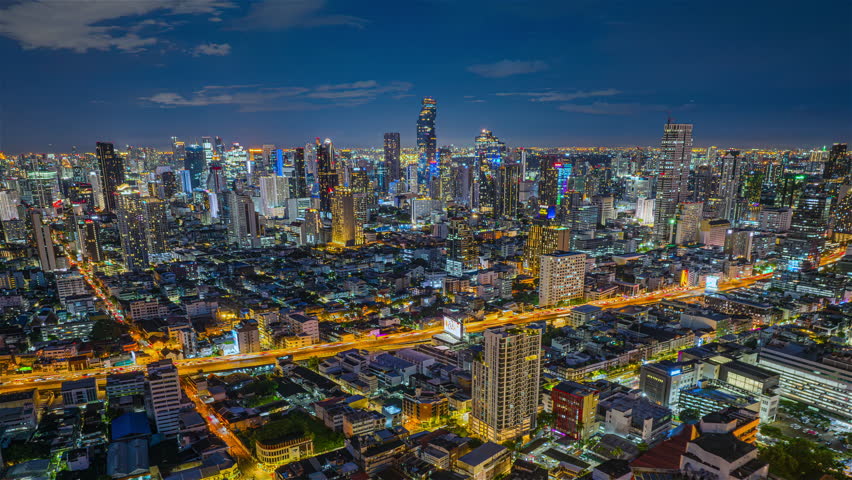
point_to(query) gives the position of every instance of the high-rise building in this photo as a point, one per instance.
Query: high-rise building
(178, 151)
(672, 184)
(489, 158)
(391, 161)
(274, 192)
(574, 409)
(562, 278)
(688, 222)
(839, 164)
(544, 238)
(326, 175)
(244, 227)
(606, 208)
(157, 224)
(427, 140)
(362, 196)
(196, 165)
(508, 190)
(132, 228)
(43, 242)
(111, 168)
(662, 382)
(462, 251)
(506, 386)
(299, 187)
(812, 215)
(343, 217)
(163, 396)
(248, 337)
(729, 185)
(88, 240)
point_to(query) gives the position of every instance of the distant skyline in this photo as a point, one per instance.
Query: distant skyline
(556, 73)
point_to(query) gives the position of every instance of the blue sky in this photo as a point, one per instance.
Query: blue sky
(570, 72)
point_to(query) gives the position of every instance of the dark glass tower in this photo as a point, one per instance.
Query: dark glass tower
(392, 156)
(111, 168)
(300, 184)
(326, 175)
(195, 164)
(427, 140)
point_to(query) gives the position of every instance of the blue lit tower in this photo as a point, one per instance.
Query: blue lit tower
(489, 157)
(427, 140)
(196, 164)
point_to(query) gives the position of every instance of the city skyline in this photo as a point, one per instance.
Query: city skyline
(286, 72)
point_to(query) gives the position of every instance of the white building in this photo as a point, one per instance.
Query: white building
(163, 396)
(562, 277)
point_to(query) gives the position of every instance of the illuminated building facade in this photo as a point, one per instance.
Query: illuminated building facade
(672, 186)
(111, 168)
(427, 139)
(326, 175)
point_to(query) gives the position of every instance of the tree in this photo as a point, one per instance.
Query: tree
(801, 458)
(689, 415)
(105, 330)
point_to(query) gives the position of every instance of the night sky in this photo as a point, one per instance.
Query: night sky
(569, 72)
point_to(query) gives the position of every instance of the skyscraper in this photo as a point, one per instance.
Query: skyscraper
(688, 222)
(326, 175)
(88, 240)
(462, 250)
(178, 151)
(729, 185)
(343, 217)
(812, 215)
(196, 165)
(132, 228)
(574, 408)
(244, 227)
(299, 186)
(489, 158)
(673, 180)
(505, 387)
(391, 161)
(544, 238)
(156, 224)
(562, 278)
(427, 140)
(111, 168)
(839, 164)
(44, 242)
(509, 184)
(162, 396)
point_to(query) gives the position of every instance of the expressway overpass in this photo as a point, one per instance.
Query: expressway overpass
(51, 381)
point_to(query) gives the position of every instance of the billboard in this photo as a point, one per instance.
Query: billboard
(454, 326)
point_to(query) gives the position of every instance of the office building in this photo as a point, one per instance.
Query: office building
(462, 251)
(506, 384)
(88, 240)
(196, 164)
(574, 409)
(672, 183)
(562, 277)
(132, 228)
(391, 157)
(163, 396)
(688, 222)
(299, 185)
(111, 169)
(839, 164)
(814, 375)
(634, 417)
(811, 217)
(427, 140)
(662, 382)
(738, 243)
(775, 219)
(544, 238)
(244, 226)
(326, 175)
(156, 224)
(508, 190)
(44, 243)
(729, 185)
(712, 232)
(78, 393)
(489, 158)
(343, 218)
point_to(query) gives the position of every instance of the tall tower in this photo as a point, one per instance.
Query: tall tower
(392, 166)
(461, 248)
(244, 228)
(729, 185)
(673, 181)
(326, 175)
(839, 164)
(489, 157)
(44, 242)
(132, 230)
(343, 217)
(509, 184)
(195, 164)
(427, 140)
(156, 224)
(300, 186)
(506, 384)
(563, 276)
(162, 396)
(111, 168)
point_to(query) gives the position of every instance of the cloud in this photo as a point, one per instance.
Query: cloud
(554, 96)
(602, 108)
(96, 25)
(507, 68)
(284, 14)
(255, 98)
(215, 49)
